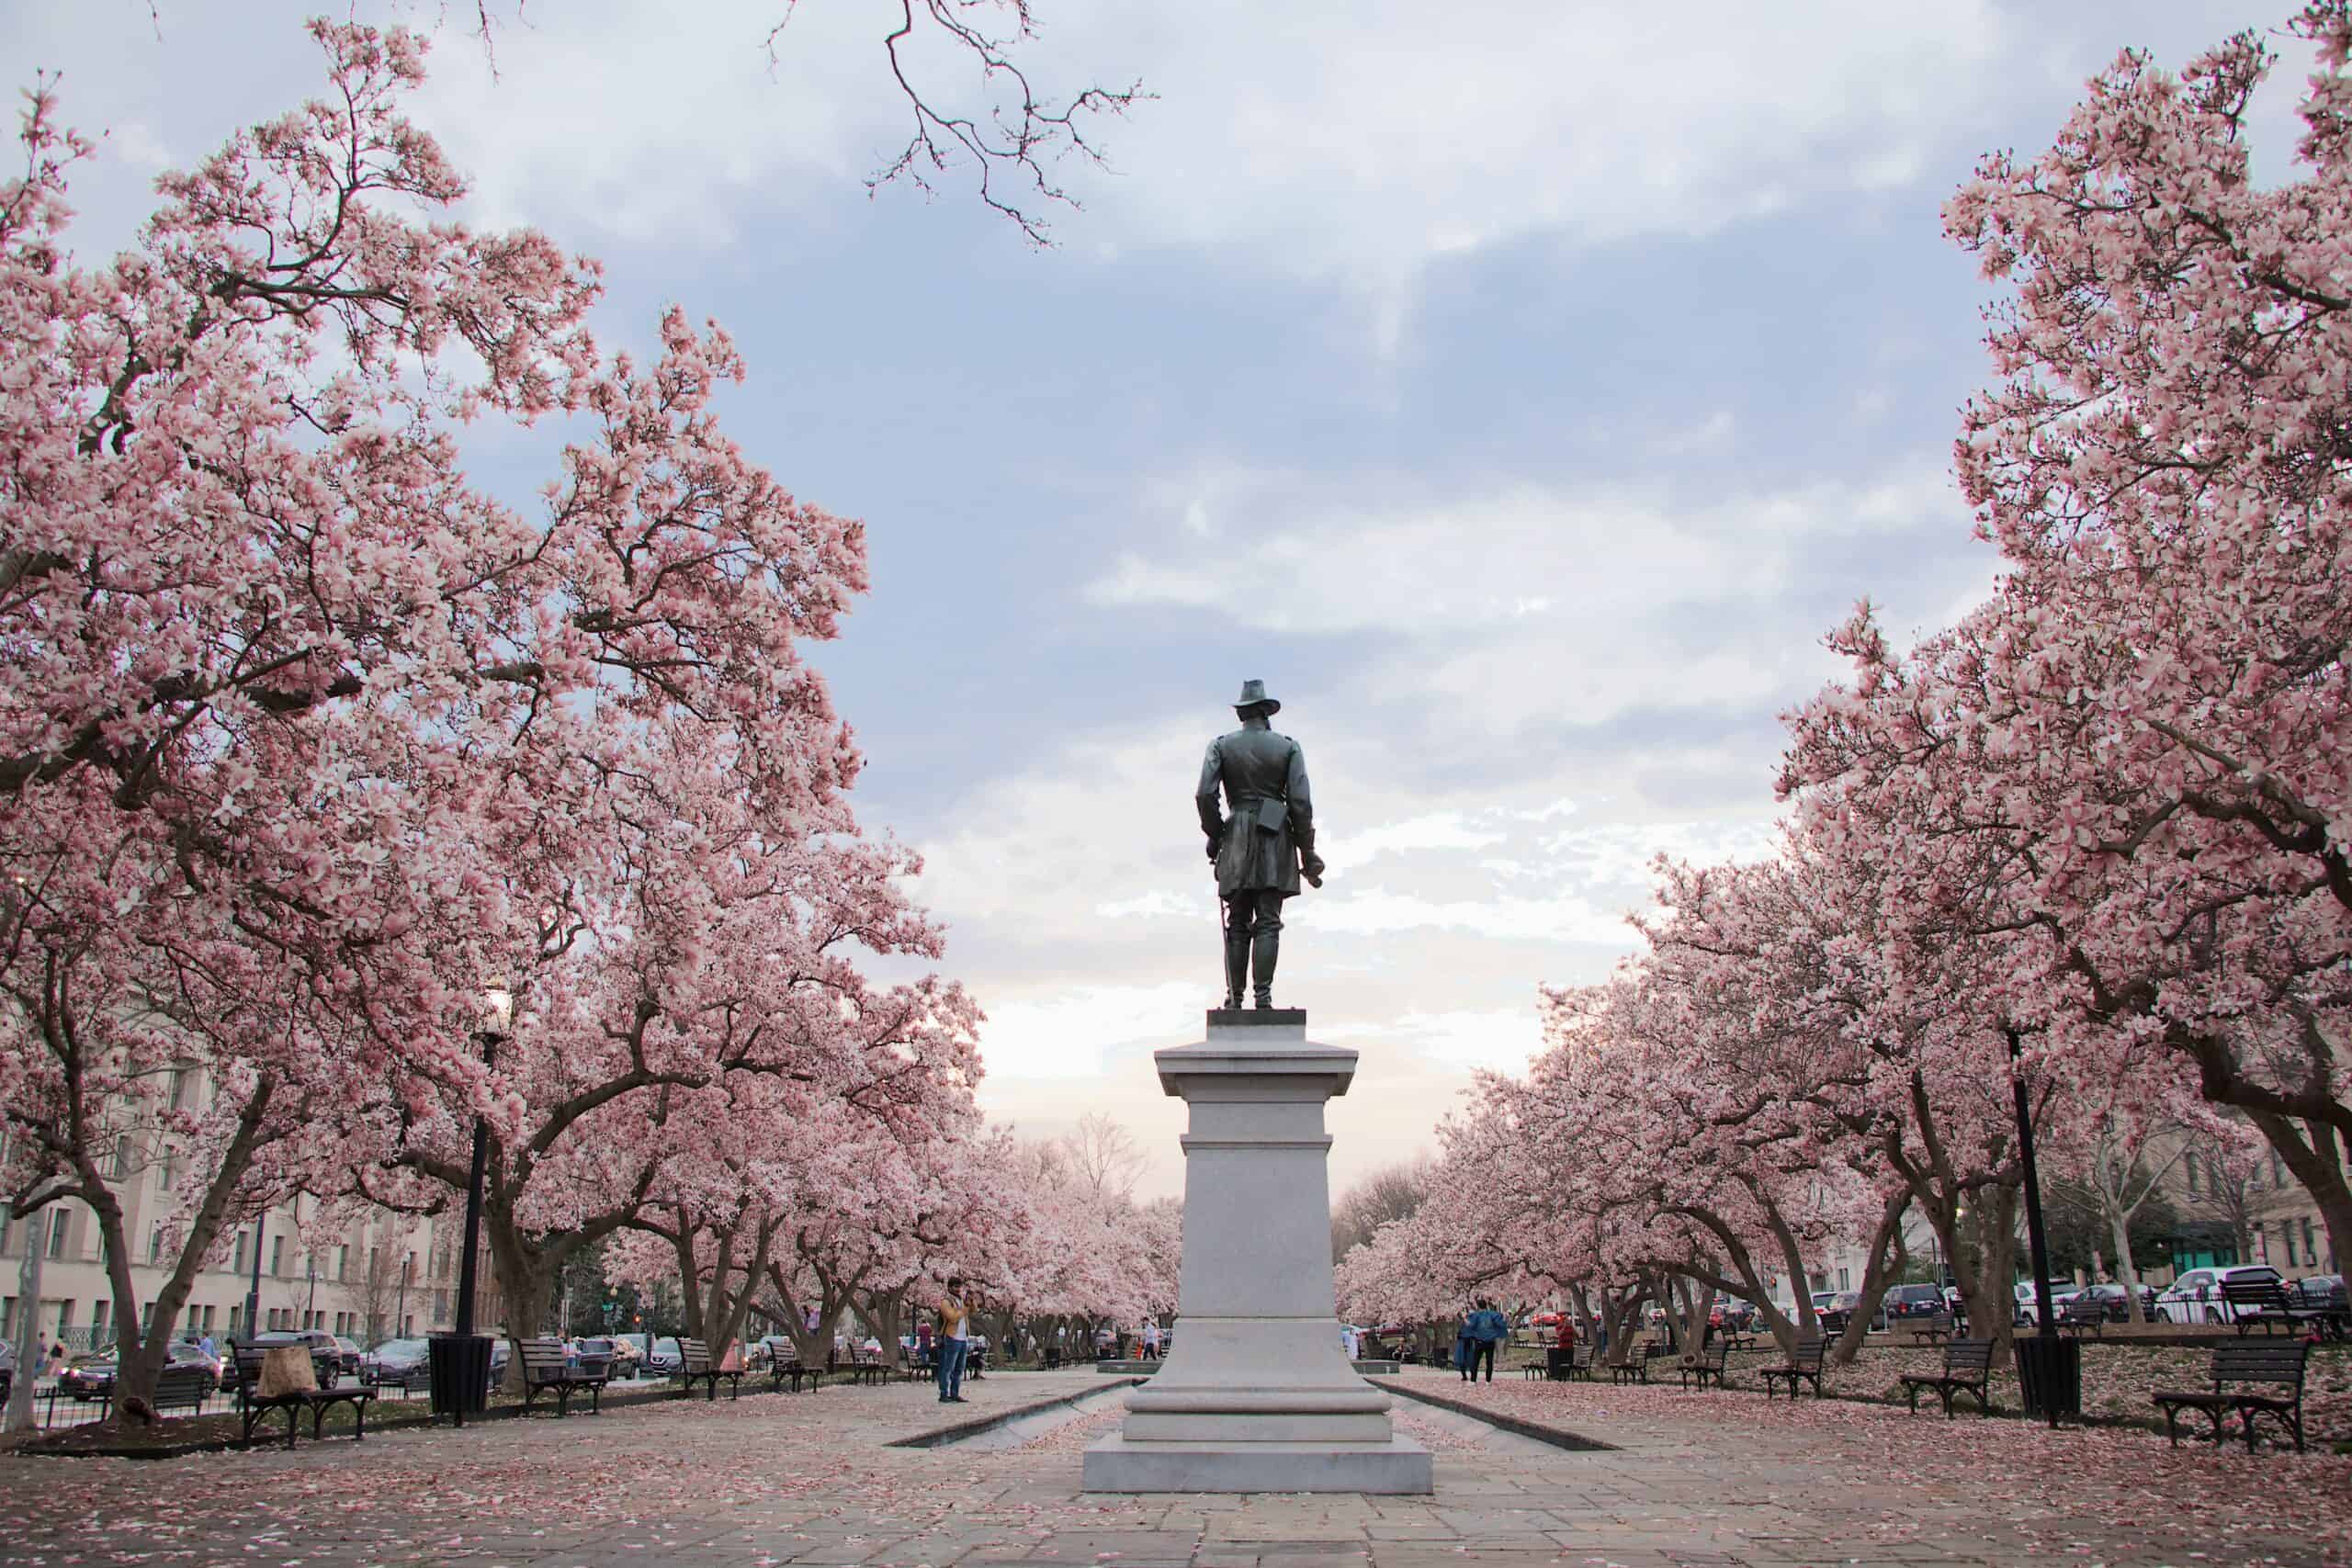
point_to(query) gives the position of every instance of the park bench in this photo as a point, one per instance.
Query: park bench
(549, 1369)
(1804, 1365)
(1711, 1362)
(1968, 1368)
(1933, 1330)
(791, 1368)
(2265, 1363)
(253, 1404)
(695, 1366)
(1636, 1364)
(2266, 1302)
(182, 1387)
(2083, 1316)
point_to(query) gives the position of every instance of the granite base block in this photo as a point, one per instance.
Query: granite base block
(1398, 1467)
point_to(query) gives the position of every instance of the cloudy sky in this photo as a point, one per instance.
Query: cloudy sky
(1520, 389)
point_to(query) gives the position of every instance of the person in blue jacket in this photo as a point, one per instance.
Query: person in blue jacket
(1487, 1329)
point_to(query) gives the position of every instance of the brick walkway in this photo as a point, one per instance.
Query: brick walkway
(804, 1479)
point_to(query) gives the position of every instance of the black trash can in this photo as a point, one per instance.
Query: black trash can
(2049, 1372)
(460, 1366)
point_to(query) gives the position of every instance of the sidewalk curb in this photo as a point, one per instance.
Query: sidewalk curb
(1558, 1436)
(972, 1427)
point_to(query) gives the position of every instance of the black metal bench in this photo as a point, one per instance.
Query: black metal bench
(2266, 1302)
(1968, 1368)
(1935, 1330)
(1803, 1366)
(182, 1387)
(1636, 1364)
(2083, 1316)
(695, 1366)
(253, 1404)
(791, 1368)
(1711, 1362)
(547, 1368)
(2266, 1362)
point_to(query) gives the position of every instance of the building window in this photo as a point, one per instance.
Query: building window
(57, 1234)
(239, 1265)
(2277, 1170)
(2311, 1243)
(343, 1262)
(155, 1243)
(277, 1254)
(98, 1318)
(64, 1317)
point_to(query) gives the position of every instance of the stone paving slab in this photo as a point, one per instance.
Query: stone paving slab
(806, 1479)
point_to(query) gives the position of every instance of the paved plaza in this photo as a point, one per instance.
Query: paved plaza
(772, 1479)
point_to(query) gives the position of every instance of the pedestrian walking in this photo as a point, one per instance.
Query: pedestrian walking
(1462, 1345)
(1487, 1329)
(955, 1340)
(1151, 1339)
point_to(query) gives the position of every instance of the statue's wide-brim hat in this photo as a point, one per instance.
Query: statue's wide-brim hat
(1253, 695)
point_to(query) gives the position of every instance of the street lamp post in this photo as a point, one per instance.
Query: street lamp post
(253, 1292)
(399, 1312)
(462, 1362)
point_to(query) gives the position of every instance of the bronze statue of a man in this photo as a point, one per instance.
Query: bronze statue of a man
(1263, 847)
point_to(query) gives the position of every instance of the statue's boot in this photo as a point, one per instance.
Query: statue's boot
(1237, 967)
(1267, 948)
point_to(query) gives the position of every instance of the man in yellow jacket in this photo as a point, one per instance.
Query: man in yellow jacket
(955, 1340)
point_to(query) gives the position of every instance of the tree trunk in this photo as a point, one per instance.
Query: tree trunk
(527, 1275)
(1886, 1254)
(2314, 1153)
(20, 1392)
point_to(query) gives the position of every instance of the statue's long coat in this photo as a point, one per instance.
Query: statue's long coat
(1263, 775)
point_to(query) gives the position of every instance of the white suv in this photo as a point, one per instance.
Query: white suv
(2196, 1296)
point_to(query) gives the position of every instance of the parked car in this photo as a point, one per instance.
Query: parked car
(326, 1353)
(347, 1355)
(1904, 1302)
(189, 1346)
(403, 1363)
(2111, 1298)
(2196, 1296)
(2320, 1291)
(91, 1377)
(599, 1348)
(664, 1358)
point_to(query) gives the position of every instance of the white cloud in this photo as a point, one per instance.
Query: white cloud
(1284, 140)
(1528, 603)
(1045, 1036)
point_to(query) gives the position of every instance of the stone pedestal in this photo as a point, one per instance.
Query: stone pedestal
(1257, 1394)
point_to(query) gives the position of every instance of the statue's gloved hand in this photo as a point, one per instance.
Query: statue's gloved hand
(1310, 867)
(1216, 840)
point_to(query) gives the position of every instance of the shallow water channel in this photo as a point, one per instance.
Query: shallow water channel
(1442, 1428)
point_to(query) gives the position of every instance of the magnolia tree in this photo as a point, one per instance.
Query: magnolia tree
(305, 742)
(250, 610)
(2138, 748)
